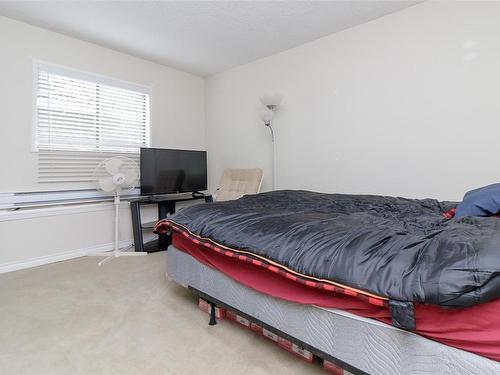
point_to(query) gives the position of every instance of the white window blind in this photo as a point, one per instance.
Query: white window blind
(82, 118)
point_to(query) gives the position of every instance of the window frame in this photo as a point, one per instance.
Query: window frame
(38, 65)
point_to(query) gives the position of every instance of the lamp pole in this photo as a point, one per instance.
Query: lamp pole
(271, 103)
(273, 154)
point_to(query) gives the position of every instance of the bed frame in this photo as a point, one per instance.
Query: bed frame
(358, 345)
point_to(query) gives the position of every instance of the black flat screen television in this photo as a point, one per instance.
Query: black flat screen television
(172, 171)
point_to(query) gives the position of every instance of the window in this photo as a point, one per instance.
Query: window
(82, 118)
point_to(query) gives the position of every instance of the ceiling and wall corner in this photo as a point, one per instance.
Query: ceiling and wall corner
(404, 105)
(200, 37)
(245, 31)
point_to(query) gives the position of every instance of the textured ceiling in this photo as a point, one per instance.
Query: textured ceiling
(201, 37)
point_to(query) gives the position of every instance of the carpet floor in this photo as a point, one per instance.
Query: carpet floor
(74, 317)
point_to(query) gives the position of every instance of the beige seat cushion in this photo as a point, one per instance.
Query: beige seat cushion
(236, 183)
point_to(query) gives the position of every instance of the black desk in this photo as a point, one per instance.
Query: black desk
(166, 205)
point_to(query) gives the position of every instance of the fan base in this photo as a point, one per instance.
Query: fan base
(115, 254)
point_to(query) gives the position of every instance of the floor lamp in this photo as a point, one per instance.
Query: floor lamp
(271, 102)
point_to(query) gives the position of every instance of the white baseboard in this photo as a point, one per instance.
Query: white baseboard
(46, 259)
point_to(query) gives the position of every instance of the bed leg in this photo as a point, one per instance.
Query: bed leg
(212, 321)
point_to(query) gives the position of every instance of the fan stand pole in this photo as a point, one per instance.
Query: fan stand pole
(116, 251)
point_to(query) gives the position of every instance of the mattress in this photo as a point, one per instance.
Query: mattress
(365, 344)
(391, 250)
(475, 329)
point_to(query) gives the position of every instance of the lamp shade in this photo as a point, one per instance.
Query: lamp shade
(273, 100)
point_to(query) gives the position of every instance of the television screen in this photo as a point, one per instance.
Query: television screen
(172, 171)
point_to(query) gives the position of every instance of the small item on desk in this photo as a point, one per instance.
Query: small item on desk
(197, 194)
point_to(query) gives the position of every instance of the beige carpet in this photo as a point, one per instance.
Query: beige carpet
(123, 318)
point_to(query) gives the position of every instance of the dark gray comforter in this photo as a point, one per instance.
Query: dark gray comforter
(403, 249)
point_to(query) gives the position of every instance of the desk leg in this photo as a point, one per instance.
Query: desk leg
(135, 210)
(165, 208)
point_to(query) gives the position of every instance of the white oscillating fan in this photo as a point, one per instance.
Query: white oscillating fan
(116, 175)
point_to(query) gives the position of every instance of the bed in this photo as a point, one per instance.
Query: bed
(390, 273)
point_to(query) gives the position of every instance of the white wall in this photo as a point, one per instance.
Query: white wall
(32, 237)
(178, 121)
(178, 107)
(408, 105)
(404, 105)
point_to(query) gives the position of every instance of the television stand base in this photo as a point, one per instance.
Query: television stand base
(166, 205)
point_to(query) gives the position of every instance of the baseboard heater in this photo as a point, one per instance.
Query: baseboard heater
(48, 198)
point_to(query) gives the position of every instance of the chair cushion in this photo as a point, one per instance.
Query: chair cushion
(238, 182)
